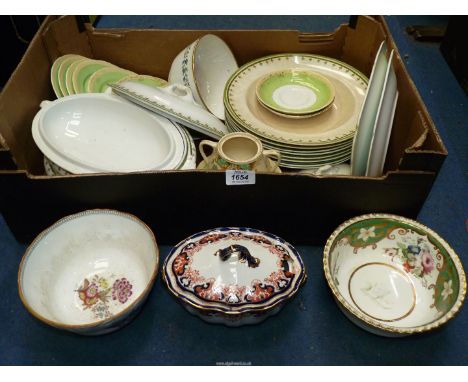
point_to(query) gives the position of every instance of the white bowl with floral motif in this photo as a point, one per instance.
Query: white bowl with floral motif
(393, 276)
(234, 276)
(89, 273)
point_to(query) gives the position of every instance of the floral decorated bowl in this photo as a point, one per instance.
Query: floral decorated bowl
(234, 276)
(89, 273)
(393, 276)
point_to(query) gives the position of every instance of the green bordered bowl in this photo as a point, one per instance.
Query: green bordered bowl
(295, 92)
(393, 276)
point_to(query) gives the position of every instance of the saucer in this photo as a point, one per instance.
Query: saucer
(295, 92)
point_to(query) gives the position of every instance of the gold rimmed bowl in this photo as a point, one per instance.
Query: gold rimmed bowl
(393, 276)
(89, 273)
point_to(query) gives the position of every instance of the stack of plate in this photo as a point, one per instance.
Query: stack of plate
(74, 74)
(100, 133)
(324, 137)
(376, 119)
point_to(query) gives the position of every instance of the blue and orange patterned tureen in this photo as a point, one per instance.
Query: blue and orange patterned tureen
(234, 276)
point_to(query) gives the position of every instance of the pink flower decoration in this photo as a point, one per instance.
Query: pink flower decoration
(92, 290)
(121, 290)
(427, 262)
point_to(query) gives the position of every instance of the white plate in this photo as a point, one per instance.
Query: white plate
(91, 133)
(368, 114)
(191, 160)
(174, 102)
(383, 125)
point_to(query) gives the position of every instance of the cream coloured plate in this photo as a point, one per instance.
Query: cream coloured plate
(298, 150)
(335, 125)
(312, 158)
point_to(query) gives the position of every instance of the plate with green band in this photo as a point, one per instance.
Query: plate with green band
(54, 72)
(64, 72)
(145, 80)
(295, 92)
(100, 80)
(82, 73)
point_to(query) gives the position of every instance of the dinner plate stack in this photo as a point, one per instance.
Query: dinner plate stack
(74, 74)
(305, 143)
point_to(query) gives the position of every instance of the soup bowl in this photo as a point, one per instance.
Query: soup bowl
(393, 276)
(89, 273)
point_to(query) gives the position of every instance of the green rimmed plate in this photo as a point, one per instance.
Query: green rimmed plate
(146, 80)
(64, 70)
(54, 72)
(295, 92)
(100, 80)
(79, 76)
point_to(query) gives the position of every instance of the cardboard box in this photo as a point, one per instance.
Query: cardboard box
(300, 208)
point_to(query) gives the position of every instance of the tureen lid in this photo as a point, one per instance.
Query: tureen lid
(234, 270)
(174, 102)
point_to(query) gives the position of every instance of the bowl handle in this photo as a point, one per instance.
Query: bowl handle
(273, 155)
(44, 103)
(203, 143)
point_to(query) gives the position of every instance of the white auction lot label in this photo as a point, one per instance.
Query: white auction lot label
(239, 177)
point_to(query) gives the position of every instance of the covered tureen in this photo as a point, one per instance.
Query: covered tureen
(234, 276)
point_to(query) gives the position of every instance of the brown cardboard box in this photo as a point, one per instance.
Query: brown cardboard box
(300, 208)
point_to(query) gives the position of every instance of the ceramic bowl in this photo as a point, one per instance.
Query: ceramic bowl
(205, 67)
(234, 276)
(393, 276)
(239, 151)
(89, 273)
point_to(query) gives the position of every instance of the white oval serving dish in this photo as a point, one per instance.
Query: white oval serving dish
(89, 133)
